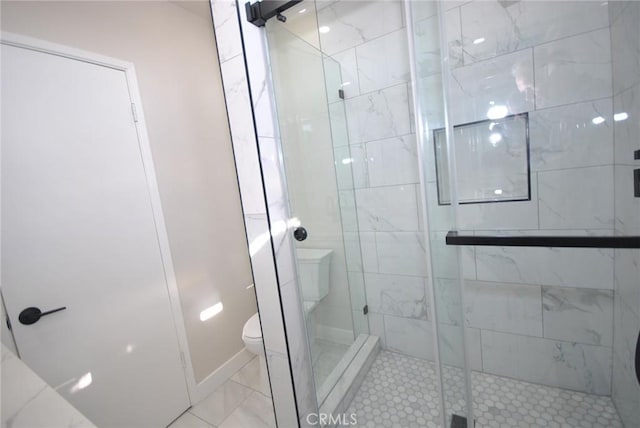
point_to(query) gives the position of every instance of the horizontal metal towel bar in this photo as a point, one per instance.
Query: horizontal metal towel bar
(453, 238)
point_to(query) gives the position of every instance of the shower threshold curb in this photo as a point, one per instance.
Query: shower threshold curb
(345, 389)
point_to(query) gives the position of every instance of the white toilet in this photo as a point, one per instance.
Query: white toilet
(252, 335)
(314, 265)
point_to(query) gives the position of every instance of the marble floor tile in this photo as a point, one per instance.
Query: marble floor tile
(401, 391)
(188, 420)
(218, 406)
(254, 412)
(254, 375)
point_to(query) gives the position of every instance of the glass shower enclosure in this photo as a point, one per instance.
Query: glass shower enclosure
(469, 173)
(319, 181)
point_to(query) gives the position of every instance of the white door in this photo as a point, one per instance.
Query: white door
(78, 232)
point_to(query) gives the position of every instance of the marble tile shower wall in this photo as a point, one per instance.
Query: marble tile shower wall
(543, 315)
(553, 320)
(625, 38)
(373, 56)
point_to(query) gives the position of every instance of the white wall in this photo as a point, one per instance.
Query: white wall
(174, 52)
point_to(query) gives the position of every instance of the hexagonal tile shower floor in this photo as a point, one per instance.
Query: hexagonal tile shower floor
(400, 391)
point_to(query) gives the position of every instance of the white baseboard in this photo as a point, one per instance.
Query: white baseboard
(212, 382)
(334, 334)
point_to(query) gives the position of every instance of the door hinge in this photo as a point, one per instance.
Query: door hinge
(8, 321)
(341, 93)
(365, 309)
(183, 360)
(134, 112)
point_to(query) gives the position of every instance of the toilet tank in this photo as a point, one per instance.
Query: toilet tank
(314, 266)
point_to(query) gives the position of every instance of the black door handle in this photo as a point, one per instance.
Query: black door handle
(32, 315)
(300, 233)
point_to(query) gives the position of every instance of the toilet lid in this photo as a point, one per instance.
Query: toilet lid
(252, 328)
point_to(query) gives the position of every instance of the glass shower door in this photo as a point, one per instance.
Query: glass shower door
(319, 183)
(533, 169)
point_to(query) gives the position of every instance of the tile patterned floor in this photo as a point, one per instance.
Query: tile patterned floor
(401, 391)
(244, 401)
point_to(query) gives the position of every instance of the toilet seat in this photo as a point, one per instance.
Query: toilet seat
(251, 329)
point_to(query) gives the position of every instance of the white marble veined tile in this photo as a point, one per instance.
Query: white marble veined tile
(280, 377)
(450, 343)
(447, 294)
(392, 208)
(349, 71)
(369, 252)
(254, 44)
(616, 9)
(188, 420)
(445, 258)
(432, 104)
(440, 216)
(255, 412)
(573, 69)
(352, 23)
(360, 322)
(48, 409)
(627, 206)
(254, 375)
(493, 28)
(399, 295)
(225, 19)
(568, 365)
(427, 41)
(357, 290)
(358, 163)
(19, 384)
(505, 83)
(344, 167)
(625, 39)
(378, 115)
(401, 252)
(409, 336)
(353, 254)
(383, 62)
(244, 143)
(568, 267)
(627, 130)
(627, 277)
(348, 210)
(338, 121)
(572, 136)
(578, 315)
(424, 9)
(578, 198)
(216, 407)
(517, 215)
(510, 308)
(392, 161)
(376, 327)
